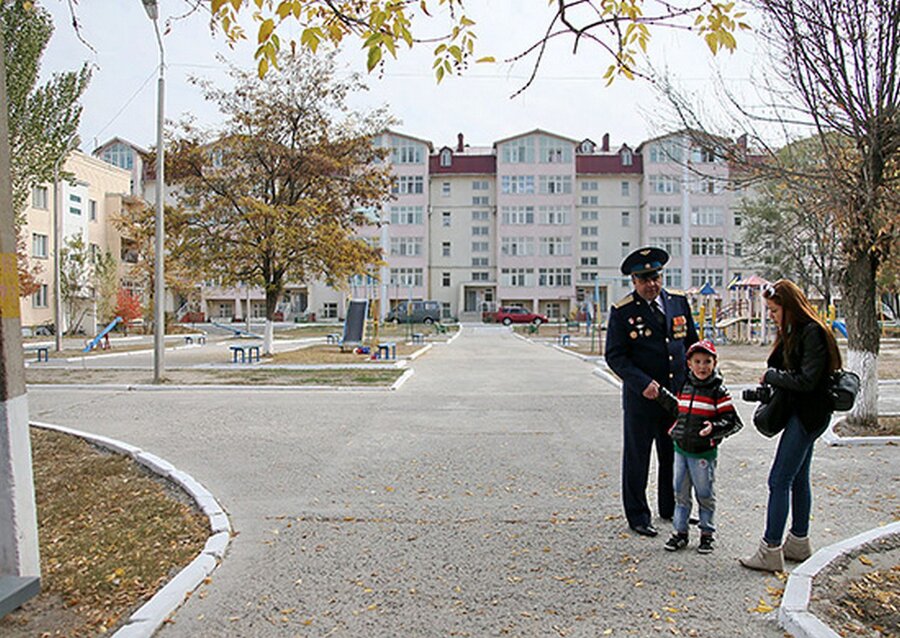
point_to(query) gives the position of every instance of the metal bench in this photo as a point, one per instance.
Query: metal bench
(43, 353)
(333, 338)
(188, 340)
(564, 340)
(245, 353)
(201, 340)
(418, 337)
(387, 350)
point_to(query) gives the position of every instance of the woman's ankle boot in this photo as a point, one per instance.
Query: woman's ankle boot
(797, 549)
(766, 559)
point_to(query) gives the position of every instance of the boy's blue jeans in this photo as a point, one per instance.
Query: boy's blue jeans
(789, 482)
(699, 474)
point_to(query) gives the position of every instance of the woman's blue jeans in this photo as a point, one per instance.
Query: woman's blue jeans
(789, 482)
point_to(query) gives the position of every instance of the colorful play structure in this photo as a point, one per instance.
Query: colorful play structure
(237, 331)
(93, 343)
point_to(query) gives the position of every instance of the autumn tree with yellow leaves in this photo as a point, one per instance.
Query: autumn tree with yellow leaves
(279, 190)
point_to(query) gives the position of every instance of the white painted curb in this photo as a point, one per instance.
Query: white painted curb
(403, 379)
(211, 388)
(793, 614)
(833, 439)
(418, 353)
(152, 614)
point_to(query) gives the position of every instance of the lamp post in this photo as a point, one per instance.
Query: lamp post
(159, 285)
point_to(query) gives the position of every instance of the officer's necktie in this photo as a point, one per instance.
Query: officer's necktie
(658, 314)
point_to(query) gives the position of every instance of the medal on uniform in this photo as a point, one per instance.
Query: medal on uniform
(648, 332)
(633, 334)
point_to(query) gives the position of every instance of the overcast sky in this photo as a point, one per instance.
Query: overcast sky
(569, 97)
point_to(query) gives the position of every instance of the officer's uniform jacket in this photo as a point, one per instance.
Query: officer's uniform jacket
(639, 350)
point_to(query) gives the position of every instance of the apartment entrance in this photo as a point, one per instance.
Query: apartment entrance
(479, 300)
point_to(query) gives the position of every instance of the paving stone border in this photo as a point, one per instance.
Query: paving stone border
(152, 614)
(794, 615)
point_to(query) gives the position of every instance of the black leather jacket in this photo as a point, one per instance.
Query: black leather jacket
(805, 377)
(698, 402)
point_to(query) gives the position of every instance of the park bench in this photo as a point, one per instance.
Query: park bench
(418, 337)
(387, 350)
(43, 353)
(245, 353)
(333, 338)
(564, 340)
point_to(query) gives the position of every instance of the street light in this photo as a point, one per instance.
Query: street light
(159, 286)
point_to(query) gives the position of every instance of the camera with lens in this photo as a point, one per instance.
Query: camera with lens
(761, 393)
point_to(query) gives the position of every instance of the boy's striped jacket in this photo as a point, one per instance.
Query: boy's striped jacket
(698, 402)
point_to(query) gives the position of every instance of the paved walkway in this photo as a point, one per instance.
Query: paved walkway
(482, 499)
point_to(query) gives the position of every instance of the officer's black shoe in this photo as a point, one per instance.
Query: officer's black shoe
(645, 530)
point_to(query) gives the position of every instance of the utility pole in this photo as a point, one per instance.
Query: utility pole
(20, 566)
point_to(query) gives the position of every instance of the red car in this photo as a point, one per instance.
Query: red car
(514, 314)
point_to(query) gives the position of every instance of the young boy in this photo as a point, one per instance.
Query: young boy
(704, 415)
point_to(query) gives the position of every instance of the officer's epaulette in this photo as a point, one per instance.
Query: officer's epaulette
(624, 301)
(677, 293)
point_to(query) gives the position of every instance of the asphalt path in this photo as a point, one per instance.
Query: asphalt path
(481, 499)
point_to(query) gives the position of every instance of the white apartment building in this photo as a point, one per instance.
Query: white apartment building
(86, 209)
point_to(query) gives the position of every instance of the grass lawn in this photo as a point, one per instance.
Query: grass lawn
(111, 534)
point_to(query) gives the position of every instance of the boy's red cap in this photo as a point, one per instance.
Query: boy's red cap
(704, 345)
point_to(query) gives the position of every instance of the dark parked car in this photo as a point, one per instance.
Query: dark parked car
(514, 314)
(416, 312)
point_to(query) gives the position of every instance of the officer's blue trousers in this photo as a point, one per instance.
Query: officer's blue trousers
(640, 433)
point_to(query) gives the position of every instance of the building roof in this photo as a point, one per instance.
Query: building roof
(427, 143)
(463, 163)
(608, 164)
(533, 132)
(140, 150)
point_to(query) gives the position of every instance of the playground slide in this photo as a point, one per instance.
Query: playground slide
(840, 326)
(105, 331)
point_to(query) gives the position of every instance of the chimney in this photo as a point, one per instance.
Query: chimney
(605, 146)
(460, 146)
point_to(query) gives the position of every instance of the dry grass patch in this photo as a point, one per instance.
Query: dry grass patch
(332, 354)
(111, 534)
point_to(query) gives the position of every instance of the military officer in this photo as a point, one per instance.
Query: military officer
(648, 333)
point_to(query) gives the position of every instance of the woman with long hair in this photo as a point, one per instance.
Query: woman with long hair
(802, 359)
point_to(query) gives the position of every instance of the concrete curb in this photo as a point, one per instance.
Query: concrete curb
(191, 388)
(793, 614)
(418, 353)
(602, 371)
(403, 379)
(589, 358)
(833, 439)
(152, 614)
(455, 335)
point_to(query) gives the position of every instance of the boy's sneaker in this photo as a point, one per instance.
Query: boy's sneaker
(676, 542)
(706, 544)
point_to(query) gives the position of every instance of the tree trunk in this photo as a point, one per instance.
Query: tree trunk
(272, 296)
(863, 341)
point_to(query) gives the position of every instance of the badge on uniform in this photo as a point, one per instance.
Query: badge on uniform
(679, 327)
(633, 334)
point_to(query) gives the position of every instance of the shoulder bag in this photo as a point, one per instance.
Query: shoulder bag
(843, 387)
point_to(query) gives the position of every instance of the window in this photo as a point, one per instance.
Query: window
(482, 200)
(407, 185)
(445, 189)
(737, 218)
(445, 279)
(590, 246)
(406, 246)
(39, 197)
(445, 249)
(119, 155)
(554, 151)
(445, 218)
(703, 155)
(590, 215)
(478, 262)
(480, 215)
(480, 231)
(518, 151)
(738, 250)
(707, 246)
(555, 184)
(39, 297)
(517, 246)
(556, 246)
(625, 248)
(404, 151)
(517, 277)
(707, 185)
(626, 218)
(329, 310)
(626, 189)
(227, 309)
(75, 204)
(671, 245)
(672, 277)
(665, 216)
(664, 184)
(590, 200)
(406, 276)
(707, 216)
(92, 210)
(517, 184)
(406, 215)
(445, 310)
(517, 215)
(554, 277)
(587, 147)
(94, 252)
(590, 186)
(587, 277)
(480, 247)
(481, 276)
(590, 261)
(627, 157)
(665, 151)
(446, 157)
(480, 185)
(39, 245)
(714, 276)
(554, 215)
(589, 231)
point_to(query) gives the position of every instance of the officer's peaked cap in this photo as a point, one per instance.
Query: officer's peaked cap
(644, 260)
